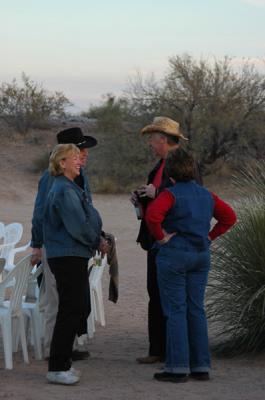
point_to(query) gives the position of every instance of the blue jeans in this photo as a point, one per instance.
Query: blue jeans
(182, 277)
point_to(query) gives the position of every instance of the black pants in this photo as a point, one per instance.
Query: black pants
(72, 285)
(156, 319)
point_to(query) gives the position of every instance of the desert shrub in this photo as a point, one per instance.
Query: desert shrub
(236, 294)
(41, 162)
(220, 109)
(119, 163)
(29, 105)
(250, 180)
(110, 114)
(121, 159)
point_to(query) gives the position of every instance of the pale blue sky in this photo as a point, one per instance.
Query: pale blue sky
(88, 48)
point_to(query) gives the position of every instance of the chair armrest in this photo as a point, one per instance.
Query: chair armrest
(3, 246)
(21, 248)
(11, 255)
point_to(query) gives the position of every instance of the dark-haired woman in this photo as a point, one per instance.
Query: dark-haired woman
(180, 220)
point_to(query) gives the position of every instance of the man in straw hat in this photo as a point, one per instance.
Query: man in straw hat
(164, 135)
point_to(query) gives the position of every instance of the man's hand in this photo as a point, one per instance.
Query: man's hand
(36, 256)
(103, 246)
(134, 198)
(147, 190)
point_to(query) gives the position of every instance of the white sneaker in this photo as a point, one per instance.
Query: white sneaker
(75, 371)
(62, 377)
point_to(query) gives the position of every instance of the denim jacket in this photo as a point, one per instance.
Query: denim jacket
(71, 225)
(45, 183)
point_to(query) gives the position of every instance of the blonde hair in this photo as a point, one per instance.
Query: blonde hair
(60, 152)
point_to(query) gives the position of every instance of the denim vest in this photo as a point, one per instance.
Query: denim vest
(71, 225)
(191, 215)
(145, 239)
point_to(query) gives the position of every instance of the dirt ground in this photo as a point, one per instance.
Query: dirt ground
(112, 372)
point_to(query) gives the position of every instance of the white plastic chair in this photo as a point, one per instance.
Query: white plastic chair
(12, 235)
(31, 310)
(91, 318)
(12, 309)
(97, 306)
(2, 230)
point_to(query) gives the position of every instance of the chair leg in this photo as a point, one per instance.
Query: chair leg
(15, 335)
(36, 330)
(91, 325)
(7, 340)
(23, 339)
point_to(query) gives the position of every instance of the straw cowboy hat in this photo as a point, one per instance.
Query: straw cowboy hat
(164, 125)
(75, 136)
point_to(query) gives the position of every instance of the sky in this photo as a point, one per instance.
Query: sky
(87, 48)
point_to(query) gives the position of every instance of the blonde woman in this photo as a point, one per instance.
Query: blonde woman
(72, 228)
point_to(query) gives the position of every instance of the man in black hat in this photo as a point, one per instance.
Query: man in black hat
(49, 296)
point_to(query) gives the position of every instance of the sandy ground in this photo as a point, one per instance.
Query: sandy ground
(111, 372)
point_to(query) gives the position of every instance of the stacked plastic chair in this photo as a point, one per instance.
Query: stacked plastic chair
(12, 309)
(12, 234)
(30, 308)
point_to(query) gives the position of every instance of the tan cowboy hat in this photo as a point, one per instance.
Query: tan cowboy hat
(164, 125)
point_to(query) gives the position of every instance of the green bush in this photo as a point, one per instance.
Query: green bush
(236, 293)
(119, 163)
(41, 163)
(250, 180)
(220, 109)
(29, 105)
(110, 114)
(121, 159)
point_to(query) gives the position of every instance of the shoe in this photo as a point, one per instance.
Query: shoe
(80, 355)
(200, 376)
(150, 359)
(75, 371)
(170, 377)
(62, 377)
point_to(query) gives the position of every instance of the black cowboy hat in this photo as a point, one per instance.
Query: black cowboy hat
(75, 136)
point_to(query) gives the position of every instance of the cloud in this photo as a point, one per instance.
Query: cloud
(255, 2)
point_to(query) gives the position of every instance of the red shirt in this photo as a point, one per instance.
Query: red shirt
(158, 176)
(158, 209)
(157, 180)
